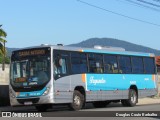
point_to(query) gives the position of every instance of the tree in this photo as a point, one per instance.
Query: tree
(3, 57)
(3, 35)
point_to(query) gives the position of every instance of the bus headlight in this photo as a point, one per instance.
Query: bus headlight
(46, 91)
(11, 94)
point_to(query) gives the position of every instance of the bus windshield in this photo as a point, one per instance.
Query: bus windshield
(30, 72)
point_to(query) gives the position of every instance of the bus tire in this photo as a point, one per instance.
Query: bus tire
(132, 99)
(78, 101)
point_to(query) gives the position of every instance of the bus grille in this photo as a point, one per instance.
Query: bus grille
(33, 100)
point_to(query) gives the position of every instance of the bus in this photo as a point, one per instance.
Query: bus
(48, 75)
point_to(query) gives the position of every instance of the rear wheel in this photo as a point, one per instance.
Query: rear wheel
(132, 99)
(78, 100)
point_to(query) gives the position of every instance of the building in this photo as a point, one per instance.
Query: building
(158, 69)
(158, 63)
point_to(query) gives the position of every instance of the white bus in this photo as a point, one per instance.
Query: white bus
(47, 75)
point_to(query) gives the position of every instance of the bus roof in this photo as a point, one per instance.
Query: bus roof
(109, 50)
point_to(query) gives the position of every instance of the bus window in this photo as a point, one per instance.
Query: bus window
(78, 60)
(60, 66)
(95, 63)
(137, 65)
(61, 61)
(110, 64)
(149, 65)
(124, 64)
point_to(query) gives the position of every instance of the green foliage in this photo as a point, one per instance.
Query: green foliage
(2, 40)
(3, 35)
(7, 60)
(2, 49)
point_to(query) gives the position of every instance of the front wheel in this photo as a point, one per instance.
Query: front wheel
(78, 100)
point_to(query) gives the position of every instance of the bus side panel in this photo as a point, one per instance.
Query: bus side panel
(106, 95)
(104, 86)
(147, 93)
(151, 87)
(65, 86)
(116, 86)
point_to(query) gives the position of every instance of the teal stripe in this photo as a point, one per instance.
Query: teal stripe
(124, 53)
(118, 81)
(31, 94)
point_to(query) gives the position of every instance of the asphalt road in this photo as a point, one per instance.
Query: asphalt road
(113, 110)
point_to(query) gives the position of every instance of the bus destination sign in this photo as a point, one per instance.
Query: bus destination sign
(31, 52)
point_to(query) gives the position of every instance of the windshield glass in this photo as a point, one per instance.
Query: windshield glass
(31, 71)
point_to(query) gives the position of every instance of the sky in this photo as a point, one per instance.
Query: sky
(36, 22)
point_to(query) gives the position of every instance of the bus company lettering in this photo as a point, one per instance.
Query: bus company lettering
(97, 81)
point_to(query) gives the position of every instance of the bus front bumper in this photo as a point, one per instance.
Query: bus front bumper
(47, 99)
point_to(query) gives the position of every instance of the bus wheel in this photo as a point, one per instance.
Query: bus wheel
(132, 99)
(100, 104)
(78, 100)
(41, 108)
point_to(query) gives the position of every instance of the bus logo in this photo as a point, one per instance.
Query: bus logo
(97, 81)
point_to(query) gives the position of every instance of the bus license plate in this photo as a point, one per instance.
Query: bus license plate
(28, 103)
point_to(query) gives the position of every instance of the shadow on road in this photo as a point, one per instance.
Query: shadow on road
(55, 108)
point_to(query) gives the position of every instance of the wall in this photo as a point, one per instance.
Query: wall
(4, 75)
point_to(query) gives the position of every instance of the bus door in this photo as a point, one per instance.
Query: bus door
(61, 61)
(61, 74)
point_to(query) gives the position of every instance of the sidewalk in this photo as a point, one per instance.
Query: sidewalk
(148, 100)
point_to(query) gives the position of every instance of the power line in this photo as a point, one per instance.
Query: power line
(149, 3)
(122, 15)
(141, 5)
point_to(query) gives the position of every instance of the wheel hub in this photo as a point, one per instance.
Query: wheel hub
(77, 100)
(133, 98)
